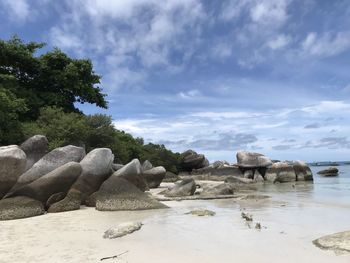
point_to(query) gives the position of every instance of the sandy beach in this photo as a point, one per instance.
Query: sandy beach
(289, 225)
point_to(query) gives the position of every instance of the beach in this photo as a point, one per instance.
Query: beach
(291, 218)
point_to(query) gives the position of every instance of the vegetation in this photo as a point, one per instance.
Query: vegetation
(38, 95)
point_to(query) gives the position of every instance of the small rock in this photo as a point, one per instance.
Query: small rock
(122, 230)
(247, 217)
(258, 226)
(331, 171)
(338, 242)
(201, 212)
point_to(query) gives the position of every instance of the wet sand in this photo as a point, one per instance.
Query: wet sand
(289, 224)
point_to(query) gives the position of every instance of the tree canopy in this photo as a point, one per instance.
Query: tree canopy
(51, 79)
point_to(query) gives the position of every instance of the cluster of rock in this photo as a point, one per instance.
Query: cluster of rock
(191, 160)
(33, 180)
(255, 167)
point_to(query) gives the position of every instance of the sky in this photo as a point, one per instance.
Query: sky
(270, 76)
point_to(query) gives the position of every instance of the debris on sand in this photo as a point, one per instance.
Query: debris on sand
(247, 217)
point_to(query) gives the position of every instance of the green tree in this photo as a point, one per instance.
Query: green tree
(51, 79)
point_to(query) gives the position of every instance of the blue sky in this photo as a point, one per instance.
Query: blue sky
(271, 76)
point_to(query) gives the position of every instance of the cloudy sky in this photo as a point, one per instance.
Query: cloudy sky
(271, 76)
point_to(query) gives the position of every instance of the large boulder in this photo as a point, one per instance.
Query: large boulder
(59, 180)
(20, 207)
(171, 177)
(12, 165)
(252, 160)
(154, 176)
(220, 164)
(69, 203)
(147, 165)
(50, 162)
(132, 172)
(191, 160)
(96, 168)
(35, 148)
(186, 187)
(116, 193)
(280, 172)
(331, 171)
(302, 171)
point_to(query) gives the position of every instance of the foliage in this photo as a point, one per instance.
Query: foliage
(51, 79)
(94, 131)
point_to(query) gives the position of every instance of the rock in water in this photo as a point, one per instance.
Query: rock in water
(302, 171)
(339, 242)
(12, 165)
(154, 176)
(69, 203)
(252, 160)
(201, 212)
(132, 172)
(50, 162)
(35, 148)
(59, 180)
(331, 171)
(96, 168)
(122, 230)
(20, 207)
(116, 193)
(280, 172)
(146, 166)
(186, 187)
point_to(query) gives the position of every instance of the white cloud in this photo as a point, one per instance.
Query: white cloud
(272, 12)
(279, 42)
(191, 94)
(19, 9)
(327, 44)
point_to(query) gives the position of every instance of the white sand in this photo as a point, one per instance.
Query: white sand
(169, 235)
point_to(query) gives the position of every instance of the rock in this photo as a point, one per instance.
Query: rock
(96, 168)
(50, 162)
(146, 165)
(59, 180)
(191, 160)
(116, 193)
(55, 198)
(221, 171)
(201, 212)
(117, 166)
(69, 203)
(91, 200)
(258, 226)
(258, 178)
(186, 187)
(220, 164)
(154, 176)
(331, 171)
(35, 148)
(12, 165)
(247, 217)
(302, 171)
(249, 174)
(252, 160)
(221, 189)
(338, 242)
(133, 173)
(20, 207)
(171, 177)
(239, 180)
(280, 172)
(122, 230)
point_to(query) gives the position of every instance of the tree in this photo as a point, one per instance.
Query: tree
(10, 109)
(51, 79)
